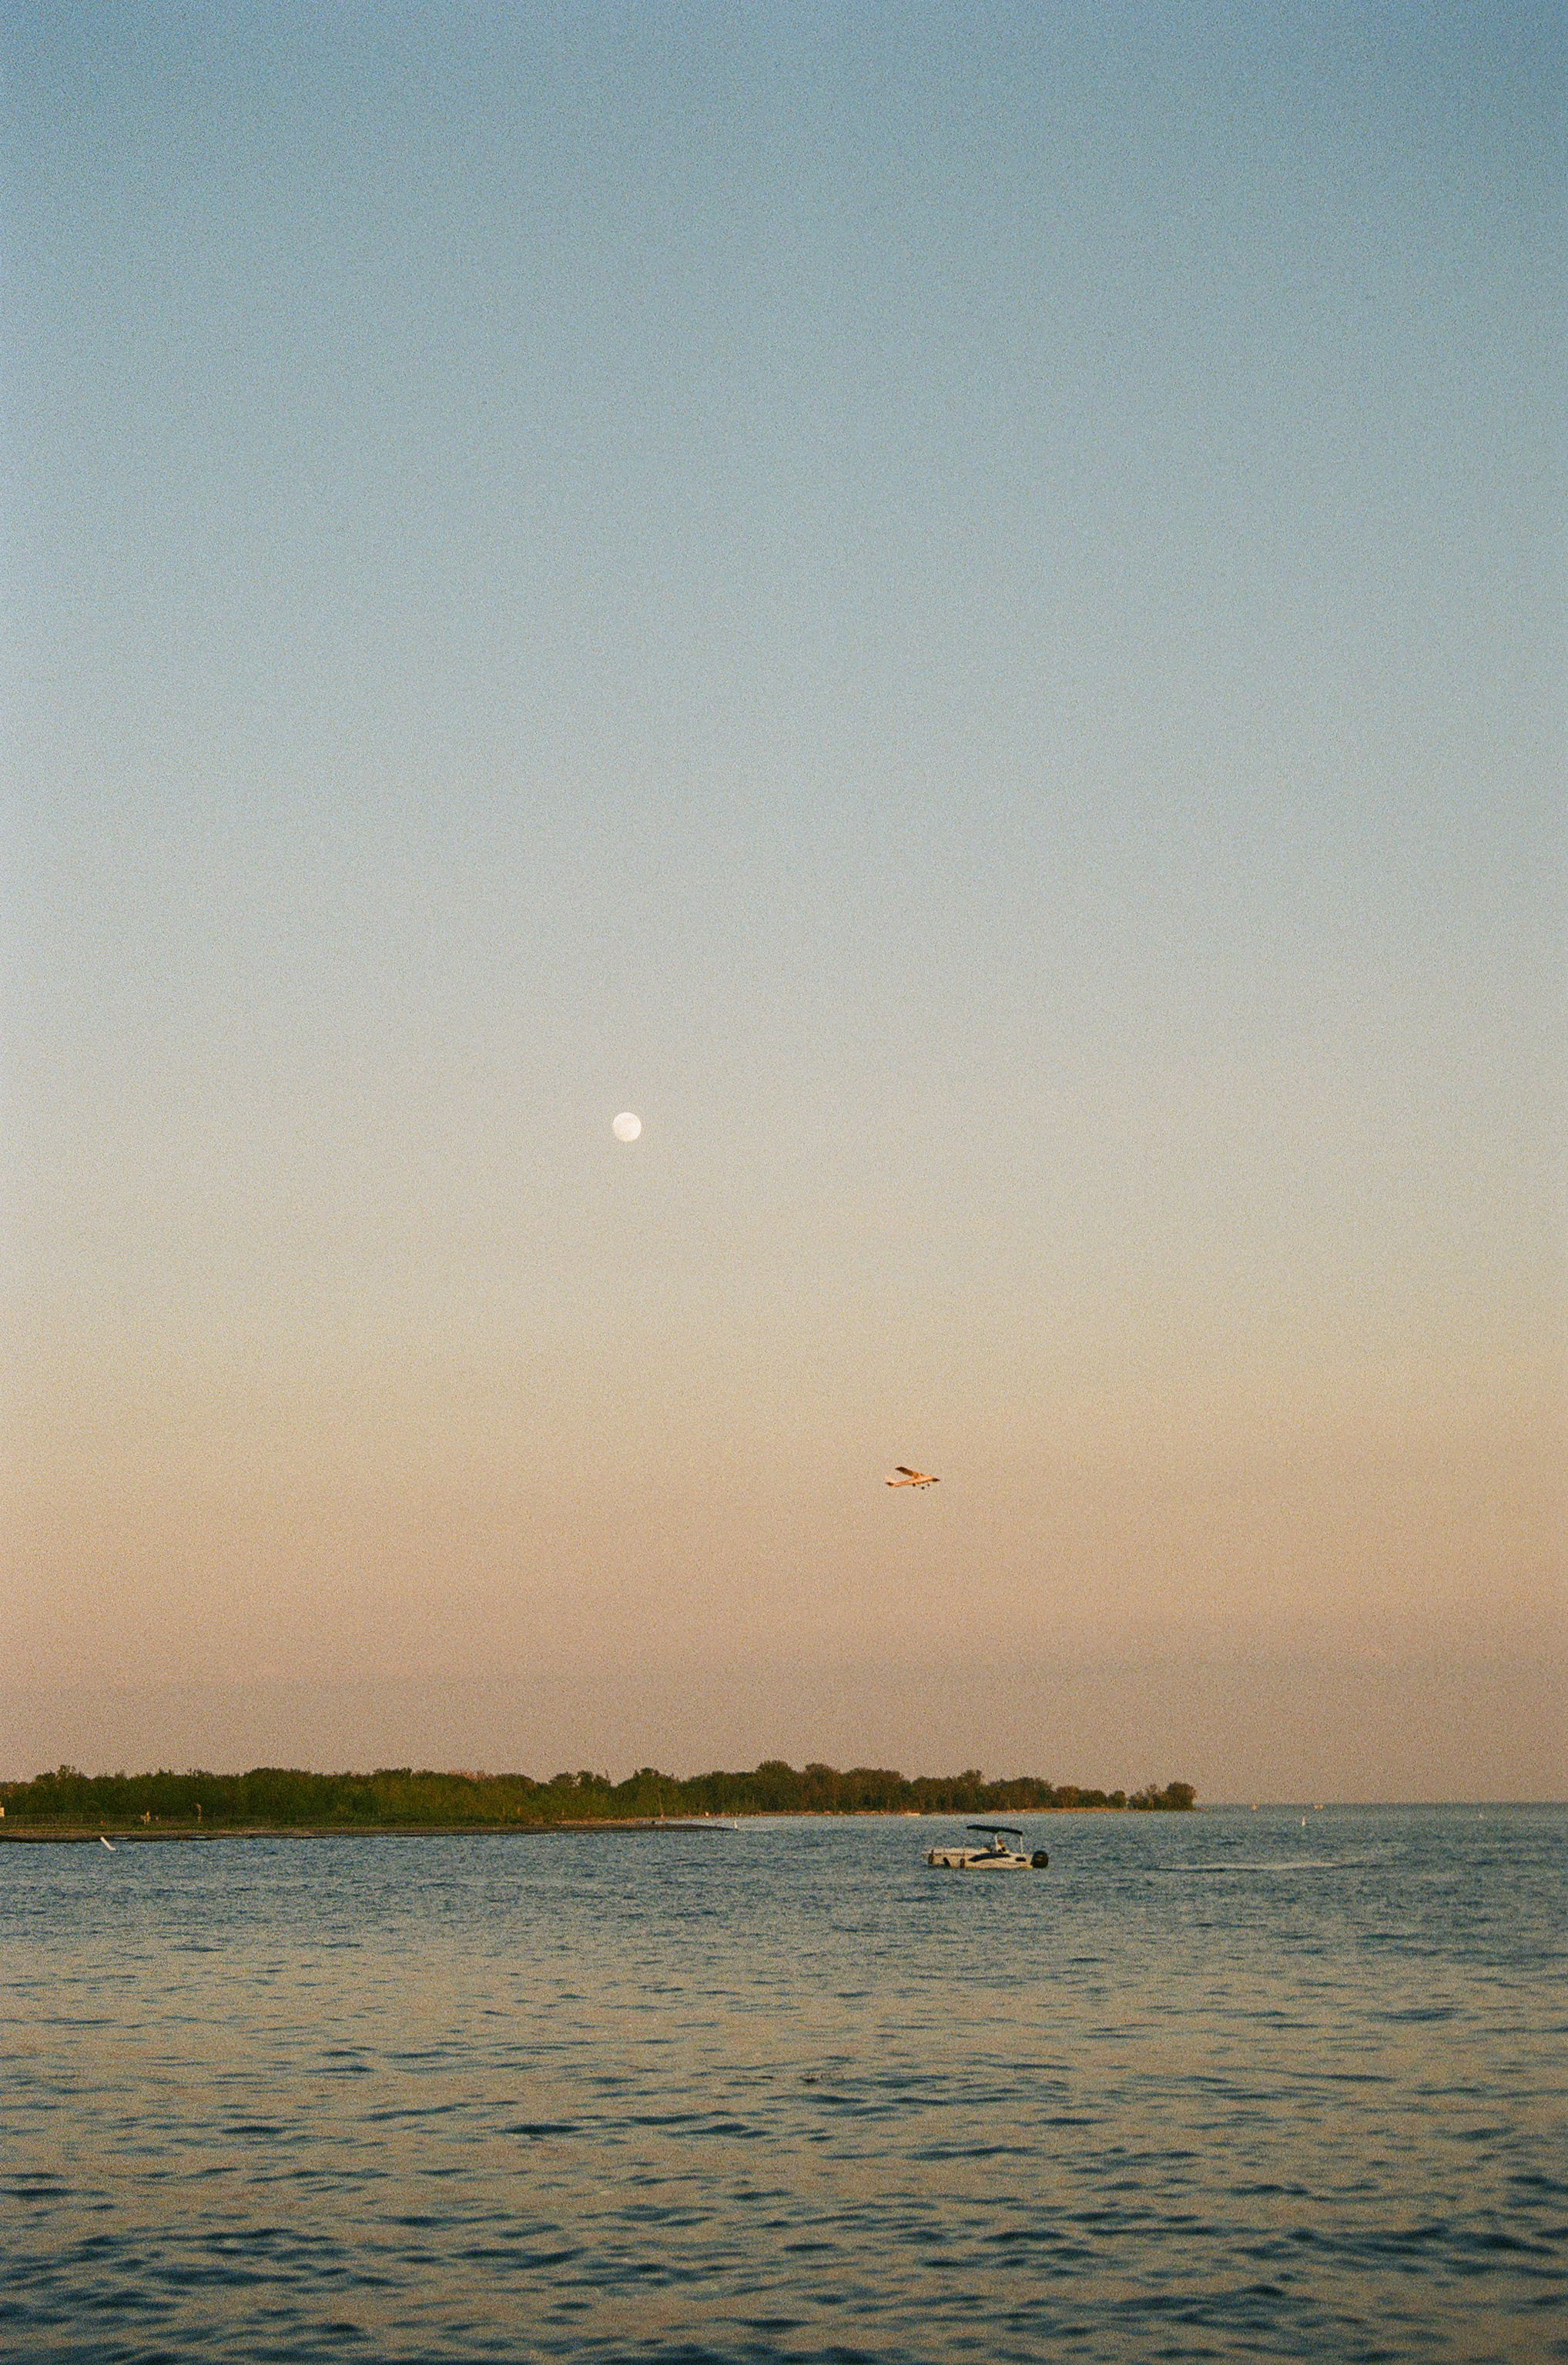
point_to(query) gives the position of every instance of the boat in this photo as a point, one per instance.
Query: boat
(995, 1856)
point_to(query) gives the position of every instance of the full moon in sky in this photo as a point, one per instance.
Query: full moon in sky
(626, 1126)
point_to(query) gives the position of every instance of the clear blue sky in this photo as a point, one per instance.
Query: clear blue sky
(963, 609)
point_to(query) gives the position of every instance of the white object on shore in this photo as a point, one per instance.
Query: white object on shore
(104, 1842)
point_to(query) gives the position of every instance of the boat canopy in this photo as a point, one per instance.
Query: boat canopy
(998, 1831)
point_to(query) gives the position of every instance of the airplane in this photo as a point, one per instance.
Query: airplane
(908, 1478)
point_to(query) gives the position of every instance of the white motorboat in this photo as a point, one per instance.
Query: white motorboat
(995, 1856)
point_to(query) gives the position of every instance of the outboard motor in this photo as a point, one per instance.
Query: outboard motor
(1039, 1859)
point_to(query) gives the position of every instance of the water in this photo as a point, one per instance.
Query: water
(1225, 2085)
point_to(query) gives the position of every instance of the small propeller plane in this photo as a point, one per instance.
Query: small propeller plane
(905, 1476)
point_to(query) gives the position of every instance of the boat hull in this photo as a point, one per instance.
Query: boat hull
(967, 1859)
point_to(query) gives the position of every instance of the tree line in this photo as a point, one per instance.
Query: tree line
(401, 1797)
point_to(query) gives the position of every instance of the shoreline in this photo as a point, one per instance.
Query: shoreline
(71, 1834)
(142, 1835)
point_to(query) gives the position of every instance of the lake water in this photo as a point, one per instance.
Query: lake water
(1232, 2084)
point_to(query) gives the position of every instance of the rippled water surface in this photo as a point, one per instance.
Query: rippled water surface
(1221, 2085)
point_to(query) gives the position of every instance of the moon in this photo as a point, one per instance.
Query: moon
(626, 1126)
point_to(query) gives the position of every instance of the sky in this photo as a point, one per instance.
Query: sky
(962, 610)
